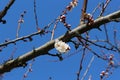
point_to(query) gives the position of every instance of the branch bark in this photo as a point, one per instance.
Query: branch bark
(84, 8)
(4, 11)
(42, 50)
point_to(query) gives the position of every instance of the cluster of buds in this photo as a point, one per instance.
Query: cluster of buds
(107, 71)
(21, 20)
(111, 62)
(89, 18)
(61, 46)
(63, 20)
(72, 5)
(103, 73)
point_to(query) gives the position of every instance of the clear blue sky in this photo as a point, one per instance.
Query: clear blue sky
(43, 67)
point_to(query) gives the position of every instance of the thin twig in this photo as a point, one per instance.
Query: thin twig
(12, 54)
(104, 7)
(96, 9)
(95, 53)
(113, 46)
(53, 31)
(21, 20)
(21, 38)
(108, 71)
(84, 8)
(57, 55)
(101, 46)
(66, 57)
(115, 37)
(35, 14)
(106, 33)
(81, 62)
(88, 67)
(18, 28)
(29, 69)
(90, 77)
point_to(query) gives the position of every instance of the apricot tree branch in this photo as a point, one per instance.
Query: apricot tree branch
(88, 67)
(104, 7)
(21, 38)
(4, 11)
(35, 14)
(84, 8)
(44, 49)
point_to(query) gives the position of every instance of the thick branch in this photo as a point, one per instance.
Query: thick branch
(42, 50)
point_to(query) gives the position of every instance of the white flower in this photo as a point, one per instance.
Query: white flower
(61, 46)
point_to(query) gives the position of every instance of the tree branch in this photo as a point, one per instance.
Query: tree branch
(84, 8)
(42, 50)
(88, 67)
(21, 38)
(4, 11)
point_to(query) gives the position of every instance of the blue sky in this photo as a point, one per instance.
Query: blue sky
(44, 67)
